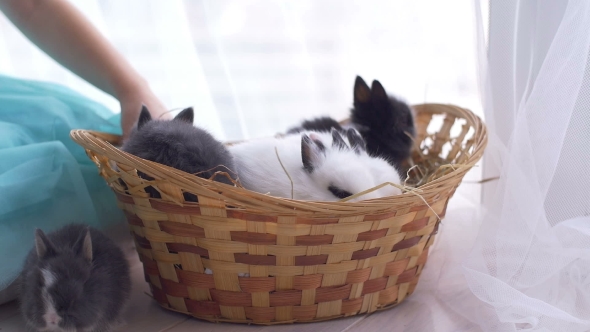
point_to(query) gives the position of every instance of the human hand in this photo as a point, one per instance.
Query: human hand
(131, 103)
(59, 29)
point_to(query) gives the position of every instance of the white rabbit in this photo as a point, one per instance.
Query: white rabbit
(322, 166)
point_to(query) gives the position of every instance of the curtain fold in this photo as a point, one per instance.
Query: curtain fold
(531, 260)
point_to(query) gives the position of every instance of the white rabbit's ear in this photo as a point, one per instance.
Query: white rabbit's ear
(357, 143)
(312, 152)
(337, 140)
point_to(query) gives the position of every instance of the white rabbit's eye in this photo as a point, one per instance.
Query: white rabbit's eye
(339, 192)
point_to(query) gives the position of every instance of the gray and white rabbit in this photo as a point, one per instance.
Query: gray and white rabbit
(178, 143)
(323, 166)
(74, 279)
(386, 123)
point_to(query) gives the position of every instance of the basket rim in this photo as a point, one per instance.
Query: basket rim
(102, 143)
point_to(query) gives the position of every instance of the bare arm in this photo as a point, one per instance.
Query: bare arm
(62, 32)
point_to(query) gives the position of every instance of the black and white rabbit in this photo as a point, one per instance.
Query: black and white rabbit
(321, 124)
(323, 166)
(178, 143)
(384, 122)
(74, 279)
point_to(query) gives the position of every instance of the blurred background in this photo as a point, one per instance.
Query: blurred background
(256, 67)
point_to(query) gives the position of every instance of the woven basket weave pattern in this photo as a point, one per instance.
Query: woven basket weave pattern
(307, 261)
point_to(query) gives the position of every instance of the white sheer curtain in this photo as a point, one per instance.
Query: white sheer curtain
(256, 67)
(530, 266)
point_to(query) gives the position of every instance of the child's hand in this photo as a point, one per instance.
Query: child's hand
(131, 106)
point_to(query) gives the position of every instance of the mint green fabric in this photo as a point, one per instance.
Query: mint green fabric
(46, 180)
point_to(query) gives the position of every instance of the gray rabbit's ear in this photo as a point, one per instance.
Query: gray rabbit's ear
(87, 247)
(43, 246)
(378, 91)
(362, 92)
(144, 117)
(83, 245)
(312, 152)
(187, 115)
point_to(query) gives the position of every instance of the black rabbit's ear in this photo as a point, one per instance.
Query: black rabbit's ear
(187, 115)
(144, 117)
(362, 93)
(43, 246)
(378, 91)
(312, 152)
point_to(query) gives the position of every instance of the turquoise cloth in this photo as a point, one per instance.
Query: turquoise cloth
(46, 180)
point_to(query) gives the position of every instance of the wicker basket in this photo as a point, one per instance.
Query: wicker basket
(307, 261)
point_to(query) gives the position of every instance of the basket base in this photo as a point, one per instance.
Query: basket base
(217, 319)
(211, 319)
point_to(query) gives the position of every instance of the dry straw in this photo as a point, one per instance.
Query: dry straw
(307, 261)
